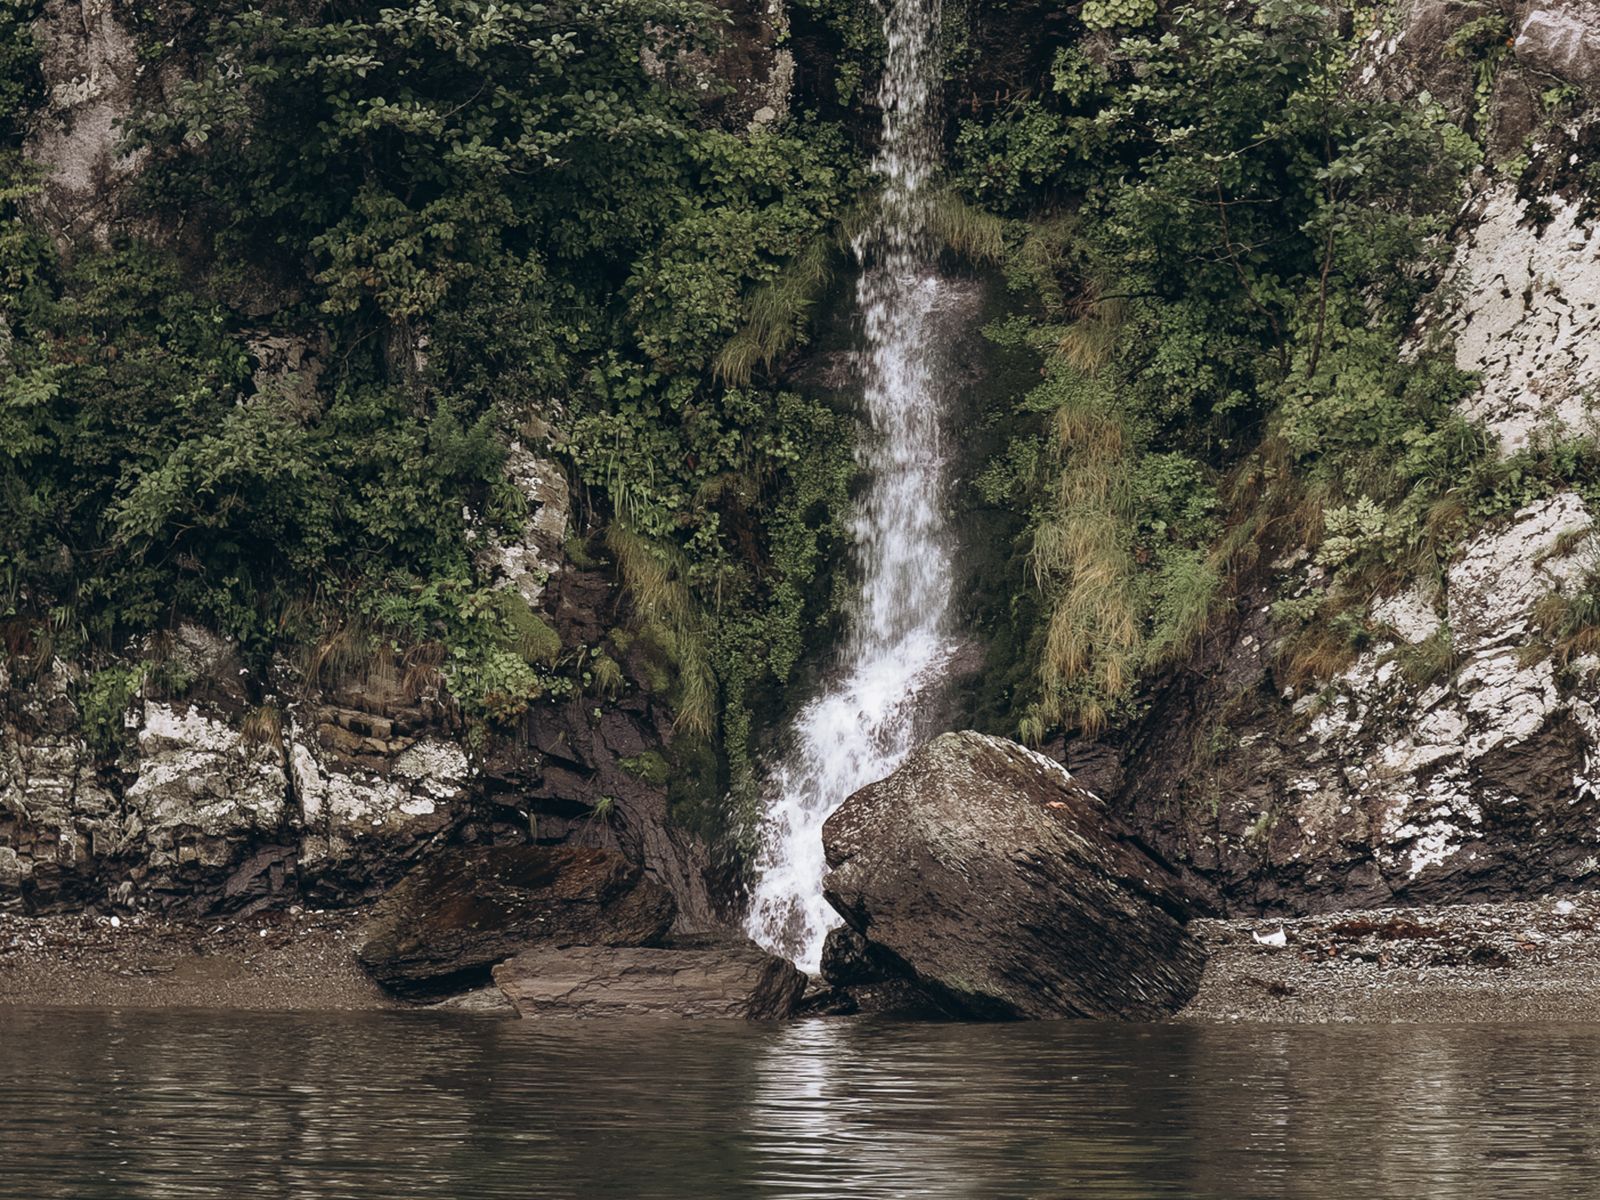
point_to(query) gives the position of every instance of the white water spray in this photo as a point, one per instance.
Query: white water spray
(898, 644)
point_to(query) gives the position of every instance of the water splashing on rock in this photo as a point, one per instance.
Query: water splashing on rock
(898, 644)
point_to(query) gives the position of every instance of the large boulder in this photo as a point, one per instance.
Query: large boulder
(981, 871)
(737, 980)
(443, 926)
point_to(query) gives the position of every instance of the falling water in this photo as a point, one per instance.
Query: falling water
(865, 721)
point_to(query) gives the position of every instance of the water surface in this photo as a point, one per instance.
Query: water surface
(399, 1105)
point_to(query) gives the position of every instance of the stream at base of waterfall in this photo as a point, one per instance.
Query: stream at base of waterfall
(898, 642)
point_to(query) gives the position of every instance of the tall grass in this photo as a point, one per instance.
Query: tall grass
(970, 233)
(654, 576)
(776, 315)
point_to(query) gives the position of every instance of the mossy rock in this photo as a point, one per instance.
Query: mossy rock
(650, 767)
(537, 642)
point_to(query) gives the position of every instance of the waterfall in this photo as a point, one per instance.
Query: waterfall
(897, 645)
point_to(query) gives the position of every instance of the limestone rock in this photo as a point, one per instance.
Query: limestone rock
(527, 562)
(441, 927)
(994, 881)
(1447, 774)
(370, 801)
(704, 981)
(56, 817)
(1521, 300)
(90, 66)
(205, 797)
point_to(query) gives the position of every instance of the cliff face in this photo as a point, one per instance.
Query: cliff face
(1455, 758)
(220, 789)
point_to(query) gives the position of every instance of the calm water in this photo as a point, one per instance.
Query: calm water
(394, 1105)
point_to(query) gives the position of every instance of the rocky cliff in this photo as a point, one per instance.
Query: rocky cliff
(1454, 758)
(207, 784)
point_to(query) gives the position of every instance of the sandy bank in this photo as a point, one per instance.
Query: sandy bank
(1519, 962)
(279, 960)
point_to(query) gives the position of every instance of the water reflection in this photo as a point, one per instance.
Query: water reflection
(161, 1106)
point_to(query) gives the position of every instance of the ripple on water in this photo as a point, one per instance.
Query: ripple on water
(165, 1105)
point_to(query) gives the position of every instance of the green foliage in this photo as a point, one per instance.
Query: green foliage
(650, 766)
(1250, 240)
(1484, 42)
(1110, 14)
(103, 699)
(460, 212)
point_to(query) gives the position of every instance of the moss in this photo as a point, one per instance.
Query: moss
(651, 767)
(534, 639)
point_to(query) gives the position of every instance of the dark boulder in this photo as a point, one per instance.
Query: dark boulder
(444, 925)
(980, 871)
(858, 982)
(732, 980)
(847, 959)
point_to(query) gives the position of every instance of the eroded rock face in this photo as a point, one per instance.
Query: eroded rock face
(984, 873)
(372, 798)
(90, 68)
(1522, 296)
(443, 926)
(55, 814)
(527, 562)
(738, 981)
(1470, 776)
(205, 798)
(1563, 40)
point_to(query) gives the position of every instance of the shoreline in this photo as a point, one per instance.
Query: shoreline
(287, 960)
(1517, 961)
(1512, 961)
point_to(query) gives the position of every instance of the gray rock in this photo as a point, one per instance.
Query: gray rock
(1562, 41)
(598, 981)
(90, 66)
(205, 796)
(443, 926)
(1007, 891)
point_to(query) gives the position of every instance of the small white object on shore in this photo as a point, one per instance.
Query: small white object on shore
(116, 922)
(1277, 939)
(1565, 907)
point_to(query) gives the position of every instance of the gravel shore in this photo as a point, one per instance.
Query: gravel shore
(1520, 962)
(298, 959)
(1515, 962)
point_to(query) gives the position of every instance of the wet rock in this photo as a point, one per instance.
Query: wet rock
(858, 983)
(987, 876)
(736, 980)
(443, 926)
(846, 958)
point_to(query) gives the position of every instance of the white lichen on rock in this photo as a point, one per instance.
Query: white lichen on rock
(90, 65)
(1413, 758)
(344, 804)
(54, 813)
(202, 787)
(1524, 305)
(526, 562)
